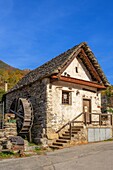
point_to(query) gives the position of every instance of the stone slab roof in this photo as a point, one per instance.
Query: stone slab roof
(56, 64)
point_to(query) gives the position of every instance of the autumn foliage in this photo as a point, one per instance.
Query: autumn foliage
(10, 75)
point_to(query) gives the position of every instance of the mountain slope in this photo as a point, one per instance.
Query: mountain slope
(11, 75)
(3, 65)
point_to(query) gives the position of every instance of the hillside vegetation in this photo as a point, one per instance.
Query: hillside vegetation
(10, 75)
(107, 99)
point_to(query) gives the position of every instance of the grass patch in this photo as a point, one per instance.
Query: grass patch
(40, 150)
(6, 154)
(111, 139)
(31, 144)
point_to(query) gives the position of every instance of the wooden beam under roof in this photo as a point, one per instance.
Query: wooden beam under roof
(78, 81)
(90, 66)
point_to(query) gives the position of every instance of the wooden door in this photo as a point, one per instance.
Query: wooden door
(87, 110)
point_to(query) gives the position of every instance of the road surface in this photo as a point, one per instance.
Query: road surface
(96, 156)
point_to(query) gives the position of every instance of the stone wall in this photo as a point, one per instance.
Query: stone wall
(9, 129)
(80, 138)
(49, 112)
(59, 114)
(36, 93)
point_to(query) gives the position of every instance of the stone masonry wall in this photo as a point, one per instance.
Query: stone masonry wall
(49, 112)
(36, 92)
(59, 114)
(9, 129)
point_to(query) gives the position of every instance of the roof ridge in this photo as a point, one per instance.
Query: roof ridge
(55, 64)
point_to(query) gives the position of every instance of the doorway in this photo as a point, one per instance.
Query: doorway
(87, 110)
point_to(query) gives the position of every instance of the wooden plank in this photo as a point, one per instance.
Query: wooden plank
(78, 81)
(100, 123)
(90, 65)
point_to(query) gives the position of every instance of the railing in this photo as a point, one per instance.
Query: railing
(104, 120)
(70, 124)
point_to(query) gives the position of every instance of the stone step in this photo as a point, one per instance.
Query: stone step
(62, 140)
(58, 144)
(64, 137)
(55, 147)
(77, 127)
(73, 132)
(68, 135)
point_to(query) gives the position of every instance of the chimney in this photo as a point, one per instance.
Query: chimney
(6, 86)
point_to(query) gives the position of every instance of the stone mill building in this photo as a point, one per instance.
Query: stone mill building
(61, 91)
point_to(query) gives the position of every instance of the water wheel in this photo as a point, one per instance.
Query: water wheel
(23, 110)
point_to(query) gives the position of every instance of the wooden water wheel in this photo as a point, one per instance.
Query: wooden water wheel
(23, 110)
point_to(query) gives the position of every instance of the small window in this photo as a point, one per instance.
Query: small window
(76, 69)
(66, 97)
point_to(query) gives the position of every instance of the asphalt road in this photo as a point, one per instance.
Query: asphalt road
(96, 156)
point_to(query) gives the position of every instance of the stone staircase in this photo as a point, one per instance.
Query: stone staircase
(77, 130)
(66, 137)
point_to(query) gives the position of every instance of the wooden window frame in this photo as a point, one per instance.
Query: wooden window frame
(66, 100)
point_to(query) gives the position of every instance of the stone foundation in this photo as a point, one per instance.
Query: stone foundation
(9, 129)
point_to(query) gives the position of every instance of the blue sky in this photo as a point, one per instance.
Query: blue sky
(34, 31)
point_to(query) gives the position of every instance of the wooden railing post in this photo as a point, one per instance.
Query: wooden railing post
(100, 123)
(111, 119)
(85, 120)
(90, 118)
(70, 123)
(70, 130)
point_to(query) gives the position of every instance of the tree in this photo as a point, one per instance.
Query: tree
(2, 92)
(107, 99)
